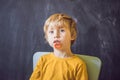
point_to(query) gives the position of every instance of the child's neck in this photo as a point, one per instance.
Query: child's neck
(62, 53)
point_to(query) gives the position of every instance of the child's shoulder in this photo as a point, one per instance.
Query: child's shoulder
(46, 55)
(78, 59)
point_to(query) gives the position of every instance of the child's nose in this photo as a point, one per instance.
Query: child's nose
(57, 34)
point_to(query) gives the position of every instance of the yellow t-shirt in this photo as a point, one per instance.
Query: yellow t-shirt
(50, 67)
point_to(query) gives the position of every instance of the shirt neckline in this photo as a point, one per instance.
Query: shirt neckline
(67, 58)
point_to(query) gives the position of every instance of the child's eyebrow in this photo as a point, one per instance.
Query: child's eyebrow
(51, 28)
(61, 27)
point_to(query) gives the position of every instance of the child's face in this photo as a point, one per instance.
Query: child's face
(59, 37)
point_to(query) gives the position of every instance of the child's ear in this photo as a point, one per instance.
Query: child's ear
(46, 40)
(73, 36)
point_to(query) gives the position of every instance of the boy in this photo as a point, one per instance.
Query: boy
(61, 64)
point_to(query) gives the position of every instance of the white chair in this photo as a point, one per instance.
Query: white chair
(93, 64)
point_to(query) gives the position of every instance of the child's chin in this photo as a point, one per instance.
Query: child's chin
(58, 48)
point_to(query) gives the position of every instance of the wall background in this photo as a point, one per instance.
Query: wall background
(21, 33)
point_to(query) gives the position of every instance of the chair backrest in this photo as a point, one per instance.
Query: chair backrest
(93, 64)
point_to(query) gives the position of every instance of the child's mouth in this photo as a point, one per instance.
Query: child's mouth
(57, 44)
(56, 41)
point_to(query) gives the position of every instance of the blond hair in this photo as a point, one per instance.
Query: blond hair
(61, 19)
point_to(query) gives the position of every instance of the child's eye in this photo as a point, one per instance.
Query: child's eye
(51, 31)
(62, 30)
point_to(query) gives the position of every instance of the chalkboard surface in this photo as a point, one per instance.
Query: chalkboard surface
(21, 33)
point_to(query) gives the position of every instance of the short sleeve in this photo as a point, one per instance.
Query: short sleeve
(82, 72)
(37, 71)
